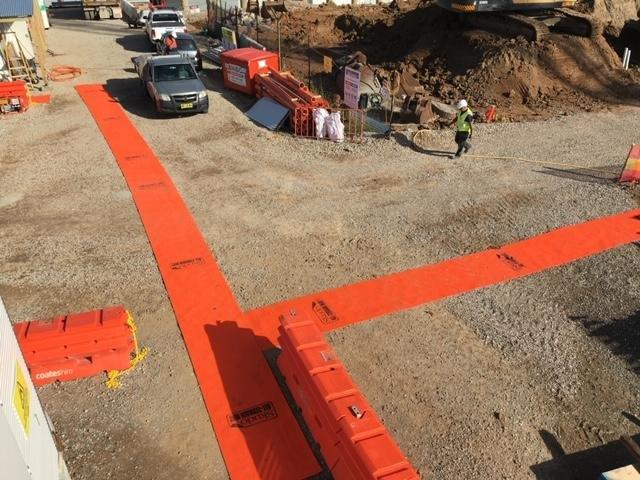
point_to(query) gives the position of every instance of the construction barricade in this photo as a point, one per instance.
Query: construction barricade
(352, 440)
(14, 97)
(631, 171)
(77, 345)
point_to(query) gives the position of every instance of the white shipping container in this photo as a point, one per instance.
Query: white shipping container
(27, 449)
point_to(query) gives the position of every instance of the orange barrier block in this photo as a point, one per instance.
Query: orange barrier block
(631, 171)
(352, 440)
(77, 345)
(14, 97)
(258, 435)
(358, 302)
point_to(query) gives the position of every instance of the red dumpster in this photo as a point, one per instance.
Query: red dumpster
(240, 66)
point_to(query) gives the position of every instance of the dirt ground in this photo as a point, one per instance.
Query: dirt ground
(535, 378)
(451, 60)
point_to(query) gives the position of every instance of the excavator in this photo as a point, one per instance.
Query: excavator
(534, 19)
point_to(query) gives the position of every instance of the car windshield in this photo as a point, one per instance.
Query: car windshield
(186, 45)
(165, 17)
(168, 73)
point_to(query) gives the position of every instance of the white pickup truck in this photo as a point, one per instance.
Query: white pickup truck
(160, 22)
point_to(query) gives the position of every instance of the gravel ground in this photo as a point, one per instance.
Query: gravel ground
(490, 384)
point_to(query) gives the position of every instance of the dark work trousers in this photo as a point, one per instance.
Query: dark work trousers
(462, 139)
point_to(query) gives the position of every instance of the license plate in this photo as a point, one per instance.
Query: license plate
(185, 106)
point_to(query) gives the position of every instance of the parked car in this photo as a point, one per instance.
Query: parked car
(144, 16)
(172, 83)
(187, 47)
(160, 22)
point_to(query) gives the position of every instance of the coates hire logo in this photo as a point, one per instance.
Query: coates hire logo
(53, 373)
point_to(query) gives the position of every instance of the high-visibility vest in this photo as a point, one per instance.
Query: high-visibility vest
(461, 124)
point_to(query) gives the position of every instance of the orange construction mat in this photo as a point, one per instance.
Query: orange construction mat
(256, 430)
(257, 433)
(332, 309)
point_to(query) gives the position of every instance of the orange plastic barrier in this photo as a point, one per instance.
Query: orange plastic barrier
(77, 345)
(353, 442)
(631, 171)
(14, 97)
(256, 430)
(335, 308)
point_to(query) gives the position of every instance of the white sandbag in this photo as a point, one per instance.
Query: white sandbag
(335, 127)
(319, 116)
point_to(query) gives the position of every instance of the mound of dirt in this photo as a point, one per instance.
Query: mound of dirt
(524, 79)
(612, 12)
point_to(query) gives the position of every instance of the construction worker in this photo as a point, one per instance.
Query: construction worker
(464, 128)
(170, 43)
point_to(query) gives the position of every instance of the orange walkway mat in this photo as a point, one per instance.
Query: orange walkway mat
(335, 308)
(256, 430)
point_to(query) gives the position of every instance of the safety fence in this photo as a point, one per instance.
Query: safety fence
(300, 56)
(337, 124)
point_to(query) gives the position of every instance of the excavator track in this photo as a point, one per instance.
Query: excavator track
(535, 26)
(508, 24)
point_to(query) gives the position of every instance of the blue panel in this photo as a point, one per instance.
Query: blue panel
(16, 8)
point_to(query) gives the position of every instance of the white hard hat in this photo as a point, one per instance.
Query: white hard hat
(462, 104)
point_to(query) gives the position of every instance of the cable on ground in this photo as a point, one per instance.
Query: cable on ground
(61, 73)
(418, 135)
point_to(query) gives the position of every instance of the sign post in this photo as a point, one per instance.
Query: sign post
(229, 41)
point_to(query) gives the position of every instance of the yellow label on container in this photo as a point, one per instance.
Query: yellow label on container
(327, 64)
(21, 400)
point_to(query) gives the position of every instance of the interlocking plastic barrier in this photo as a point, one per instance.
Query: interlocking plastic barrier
(353, 442)
(76, 345)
